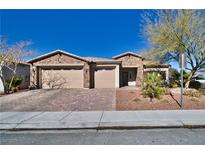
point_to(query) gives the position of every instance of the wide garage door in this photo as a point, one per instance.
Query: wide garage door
(62, 78)
(105, 77)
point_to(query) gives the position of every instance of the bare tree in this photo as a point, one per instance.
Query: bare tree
(53, 80)
(11, 56)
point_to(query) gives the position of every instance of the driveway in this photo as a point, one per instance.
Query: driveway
(60, 100)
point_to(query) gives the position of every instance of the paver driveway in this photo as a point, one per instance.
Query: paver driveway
(60, 100)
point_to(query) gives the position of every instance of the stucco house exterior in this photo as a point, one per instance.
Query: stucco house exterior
(60, 69)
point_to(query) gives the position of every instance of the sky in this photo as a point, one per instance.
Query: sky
(101, 33)
(87, 33)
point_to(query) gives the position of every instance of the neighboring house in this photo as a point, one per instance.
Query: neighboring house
(60, 69)
(23, 70)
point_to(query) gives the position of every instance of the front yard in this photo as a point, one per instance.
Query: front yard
(92, 100)
(134, 100)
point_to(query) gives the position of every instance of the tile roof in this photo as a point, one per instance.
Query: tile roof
(98, 59)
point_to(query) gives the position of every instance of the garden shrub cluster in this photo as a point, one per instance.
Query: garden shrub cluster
(153, 86)
(192, 93)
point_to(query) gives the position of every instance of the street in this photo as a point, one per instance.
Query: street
(138, 136)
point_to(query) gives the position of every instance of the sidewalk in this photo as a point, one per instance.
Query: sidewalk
(102, 120)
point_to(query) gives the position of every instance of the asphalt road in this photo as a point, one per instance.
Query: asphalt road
(139, 136)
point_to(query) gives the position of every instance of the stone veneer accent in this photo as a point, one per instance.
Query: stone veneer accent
(133, 61)
(59, 58)
(86, 74)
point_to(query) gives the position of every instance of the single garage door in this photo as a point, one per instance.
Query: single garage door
(105, 77)
(62, 78)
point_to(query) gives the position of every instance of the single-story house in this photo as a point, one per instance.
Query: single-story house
(60, 69)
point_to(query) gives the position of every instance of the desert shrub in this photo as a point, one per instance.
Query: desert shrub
(137, 100)
(173, 84)
(166, 91)
(152, 86)
(192, 93)
(174, 77)
(195, 84)
(17, 80)
(194, 99)
(202, 91)
(164, 101)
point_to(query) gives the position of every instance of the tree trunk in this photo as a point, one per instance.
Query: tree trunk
(187, 82)
(14, 74)
(10, 84)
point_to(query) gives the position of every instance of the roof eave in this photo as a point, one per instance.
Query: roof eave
(54, 52)
(127, 53)
(157, 66)
(107, 62)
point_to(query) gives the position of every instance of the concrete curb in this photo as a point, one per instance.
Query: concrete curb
(145, 125)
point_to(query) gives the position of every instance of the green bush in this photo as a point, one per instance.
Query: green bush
(192, 93)
(174, 84)
(152, 86)
(17, 80)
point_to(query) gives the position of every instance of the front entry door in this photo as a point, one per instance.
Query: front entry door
(124, 78)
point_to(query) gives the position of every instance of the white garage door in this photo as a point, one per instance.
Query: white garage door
(62, 78)
(105, 77)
